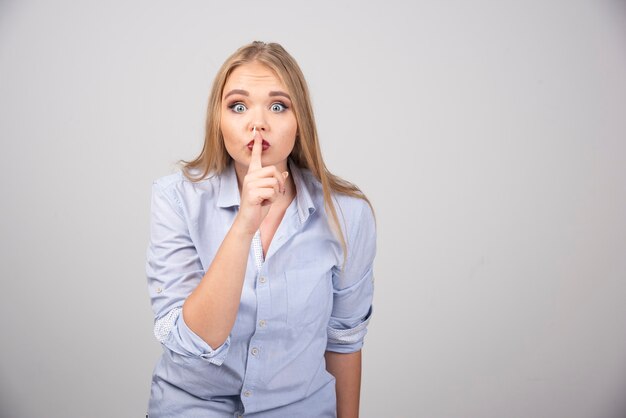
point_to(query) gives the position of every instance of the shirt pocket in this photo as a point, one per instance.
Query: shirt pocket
(309, 296)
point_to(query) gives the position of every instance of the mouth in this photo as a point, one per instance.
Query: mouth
(264, 145)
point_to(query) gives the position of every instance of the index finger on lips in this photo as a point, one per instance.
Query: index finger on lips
(257, 149)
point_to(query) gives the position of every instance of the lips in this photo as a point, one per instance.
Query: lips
(264, 145)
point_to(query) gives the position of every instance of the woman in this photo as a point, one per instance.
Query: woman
(260, 260)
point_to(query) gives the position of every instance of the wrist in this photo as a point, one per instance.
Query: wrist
(242, 231)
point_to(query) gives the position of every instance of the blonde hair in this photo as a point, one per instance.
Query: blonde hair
(306, 152)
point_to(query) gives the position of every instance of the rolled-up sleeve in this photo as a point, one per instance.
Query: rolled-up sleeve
(174, 270)
(353, 287)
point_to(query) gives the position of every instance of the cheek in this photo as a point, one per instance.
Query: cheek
(288, 134)
(228, 134)
(290, 142)
(291, 127)
(228, 129)
(225, 126)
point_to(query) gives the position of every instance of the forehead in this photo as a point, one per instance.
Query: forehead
(253, 75)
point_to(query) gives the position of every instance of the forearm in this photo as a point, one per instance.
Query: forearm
(347, 371)
(211, 309)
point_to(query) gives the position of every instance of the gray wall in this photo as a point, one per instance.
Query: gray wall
(490, 136)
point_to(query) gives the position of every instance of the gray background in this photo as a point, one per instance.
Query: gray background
(490, 136)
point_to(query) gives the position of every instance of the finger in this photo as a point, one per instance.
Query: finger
(263, 196)
(280, 177)
(265, 182)
(257, 149)
(285, 174)
(269, 200)
(269, 172)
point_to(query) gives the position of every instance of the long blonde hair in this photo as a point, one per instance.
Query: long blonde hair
(306, 152)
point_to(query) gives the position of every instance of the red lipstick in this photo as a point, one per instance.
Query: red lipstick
(264, 145)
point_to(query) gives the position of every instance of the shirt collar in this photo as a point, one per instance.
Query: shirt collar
(228, 195)
(304, 189)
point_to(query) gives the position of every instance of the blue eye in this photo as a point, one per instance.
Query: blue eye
(238, 107)
(278, 107)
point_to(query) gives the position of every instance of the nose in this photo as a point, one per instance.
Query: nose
(258, 120)
(257, 127)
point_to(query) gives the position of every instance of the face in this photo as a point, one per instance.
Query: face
(254, 96)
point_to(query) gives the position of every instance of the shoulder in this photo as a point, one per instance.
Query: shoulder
(352, 206)
(169, 180)
(315, 188)
(355, 214)
(182, 192)
(352, 212)
(358, 225)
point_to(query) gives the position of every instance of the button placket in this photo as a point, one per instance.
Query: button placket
(253, 367)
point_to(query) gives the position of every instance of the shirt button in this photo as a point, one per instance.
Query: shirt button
(255, 351)
(262, 279)
(262, 323)
(247, 393)
(159, 290)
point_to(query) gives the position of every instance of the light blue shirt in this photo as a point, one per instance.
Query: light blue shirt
(296, 303)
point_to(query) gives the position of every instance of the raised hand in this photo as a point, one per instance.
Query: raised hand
(261, 187)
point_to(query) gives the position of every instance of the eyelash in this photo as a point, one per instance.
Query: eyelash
(233, 105)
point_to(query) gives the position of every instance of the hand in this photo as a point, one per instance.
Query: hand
(261, 187)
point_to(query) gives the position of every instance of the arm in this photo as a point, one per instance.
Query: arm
(353, 288)
(211, 309)
(347, 371)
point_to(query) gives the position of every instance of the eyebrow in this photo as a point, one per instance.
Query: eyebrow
(245, 93)
(279, 93)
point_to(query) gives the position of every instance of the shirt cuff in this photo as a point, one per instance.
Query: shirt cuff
(342, 339)
(181, 339)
